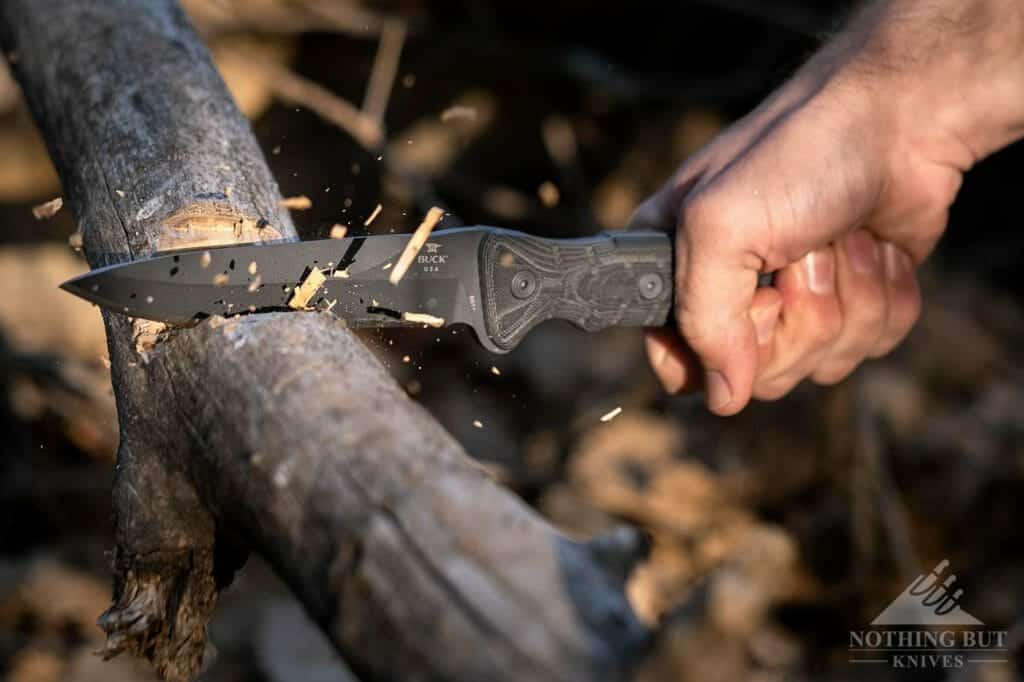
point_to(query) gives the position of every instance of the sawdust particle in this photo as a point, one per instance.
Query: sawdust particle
(205, 259)
(478, 424)
(253, 268)
(608, 416)
(338, 232)
(220, 279)
(255, 284)
(495, 371)
(549, 194)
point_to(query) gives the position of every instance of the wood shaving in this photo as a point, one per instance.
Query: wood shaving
(549, 194)
(495, 371)
(423, 318)
(220, 279)
(205, 259)
(373, 216)
(607, 417)
(340, 274)
(307, 289)
(119, 193)
(253, 268)
(386, 266)
(75, 240)
(299, 203)
(478, 424)
(338, 232)
(458, 113)
(416, 242)
(47, 210)
(255, 284)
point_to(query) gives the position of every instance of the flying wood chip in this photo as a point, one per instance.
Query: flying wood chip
(373, 216)
(47, 210)
(307, 290)
(423, 318)
(416, 242)
(299, 203)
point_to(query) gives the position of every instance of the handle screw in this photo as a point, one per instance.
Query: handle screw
(651, 285)
(524, 283)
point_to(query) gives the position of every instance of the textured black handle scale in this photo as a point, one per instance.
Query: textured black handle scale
(611, 279)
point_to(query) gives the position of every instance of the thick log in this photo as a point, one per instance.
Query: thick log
(280, 433)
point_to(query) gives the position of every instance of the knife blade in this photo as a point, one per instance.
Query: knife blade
(499, 282)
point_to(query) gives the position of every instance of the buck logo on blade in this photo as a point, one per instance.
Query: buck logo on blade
(432, 257)
(941, 633)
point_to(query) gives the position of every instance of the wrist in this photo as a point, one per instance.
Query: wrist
(949, 73)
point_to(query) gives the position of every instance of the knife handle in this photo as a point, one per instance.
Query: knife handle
(610, 279)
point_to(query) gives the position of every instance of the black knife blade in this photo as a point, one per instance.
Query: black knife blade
(499, 282)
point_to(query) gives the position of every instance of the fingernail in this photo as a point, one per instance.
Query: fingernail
(656, 352)
(863, 252)
(820, 271)
(895, 262)
(764, 323)
(670, 372)
(717, 389)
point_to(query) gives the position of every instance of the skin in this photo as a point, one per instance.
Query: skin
(841, 184)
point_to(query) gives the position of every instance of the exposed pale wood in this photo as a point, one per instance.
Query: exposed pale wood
(281, 433)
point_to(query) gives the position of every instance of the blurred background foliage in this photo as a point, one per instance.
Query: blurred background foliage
(773, 533)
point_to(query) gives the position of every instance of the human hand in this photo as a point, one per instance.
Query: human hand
(841, 184)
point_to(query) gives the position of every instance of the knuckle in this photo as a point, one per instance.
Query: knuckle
(826, 326)
(774, 389)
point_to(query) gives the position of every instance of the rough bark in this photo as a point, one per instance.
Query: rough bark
(280, 433)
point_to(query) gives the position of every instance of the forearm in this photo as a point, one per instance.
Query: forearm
(949, 72)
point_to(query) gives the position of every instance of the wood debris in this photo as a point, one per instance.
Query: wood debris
(47, 210)
(373, 216)
(307, 289)
(478, 424)
(119, 193)
(255, 284)
(549, 194)
(338, 232)
(458, 113)
(386, 266)
(220, 279)
(495, 371)
(299, 203)
(423, 318)
(205, 259)
(608, 416)
(340, 274)
(253, 268)
(75, 240)
(416, 242)
(406, 359)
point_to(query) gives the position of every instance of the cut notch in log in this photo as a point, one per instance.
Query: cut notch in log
(413, 562)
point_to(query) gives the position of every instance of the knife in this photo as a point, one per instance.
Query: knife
(499, 282)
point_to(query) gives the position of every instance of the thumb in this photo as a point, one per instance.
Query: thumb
(717, 275)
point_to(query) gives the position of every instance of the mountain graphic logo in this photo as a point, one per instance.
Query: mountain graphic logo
(929, 600)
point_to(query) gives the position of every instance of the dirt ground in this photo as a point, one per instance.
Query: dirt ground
(773, 534)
